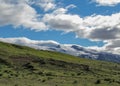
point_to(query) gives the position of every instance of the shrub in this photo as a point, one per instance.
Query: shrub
(75, 81)
(72, 74)
(107, 79)
(49, 74)
(16, 85)
(49, 78)
(98, 82)
(43, 80)
(78, 74)
(1, 74)
(40, 73)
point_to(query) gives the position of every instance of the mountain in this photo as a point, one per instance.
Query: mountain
(92, 54)
(71, 49)
(79, 51)
(24, 66)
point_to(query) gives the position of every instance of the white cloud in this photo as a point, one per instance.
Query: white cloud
(107, 2)
(113, 46)
(19, 13)
(71, 6)
(95, 27)
(46, 4)
(65, 22)
(59, 11)
(31, 43)
(100, 27)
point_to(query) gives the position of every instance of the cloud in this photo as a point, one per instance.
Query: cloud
(46, 4)
(113, 46)
(100, 27)
(19, 13)
(94, 27)
(31, 43)
(65, 22)
(71, 6)
(107, 2)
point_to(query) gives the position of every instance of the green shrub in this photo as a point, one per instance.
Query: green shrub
(75, 81)
(98, 81)
(16, 85)
(1, 74)
(49, 74)
(43, 80)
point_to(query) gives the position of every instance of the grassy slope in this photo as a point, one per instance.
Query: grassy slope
(24, 66)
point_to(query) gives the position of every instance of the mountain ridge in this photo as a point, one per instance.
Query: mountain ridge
(71, 49)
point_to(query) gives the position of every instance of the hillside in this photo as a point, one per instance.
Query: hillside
(24, 66)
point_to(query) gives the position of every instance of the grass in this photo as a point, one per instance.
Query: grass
(24, 66)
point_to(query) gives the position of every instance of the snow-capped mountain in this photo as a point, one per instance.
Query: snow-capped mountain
(79, 51)
(71, 49)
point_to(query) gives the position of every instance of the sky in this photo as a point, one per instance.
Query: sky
(89, 23)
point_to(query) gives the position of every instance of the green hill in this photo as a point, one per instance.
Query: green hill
(24, 66)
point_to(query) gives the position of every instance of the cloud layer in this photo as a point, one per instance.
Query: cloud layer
(107, 2)
(31, 43)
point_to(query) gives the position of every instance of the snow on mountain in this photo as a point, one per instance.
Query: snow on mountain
(71, 49)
